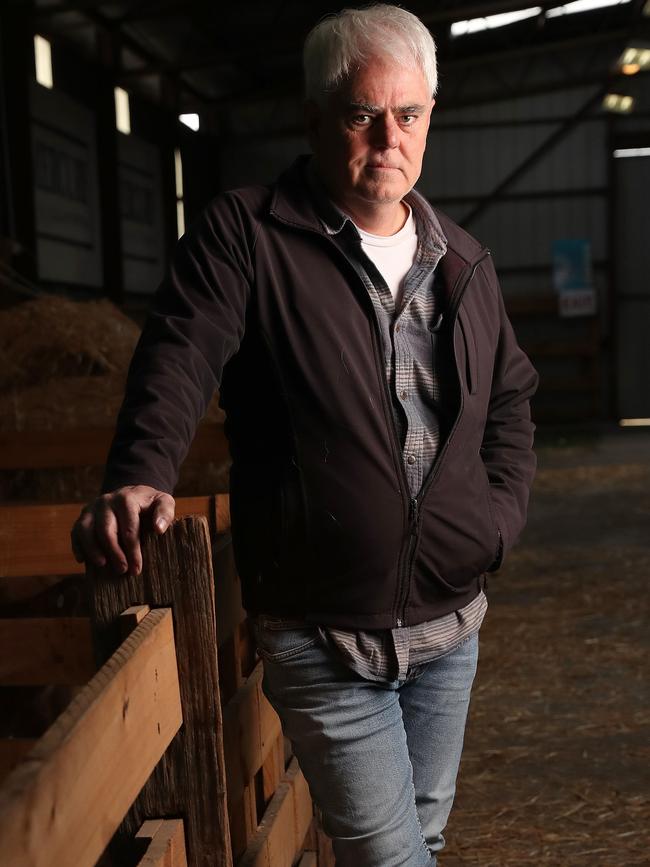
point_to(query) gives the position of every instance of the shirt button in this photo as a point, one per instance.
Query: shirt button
(404, 394)
(410, 459)
(398, 328)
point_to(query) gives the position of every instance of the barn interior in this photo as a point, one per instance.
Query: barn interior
(119, 122)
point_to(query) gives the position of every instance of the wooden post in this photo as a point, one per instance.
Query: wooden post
(108, 51)
(190, 779)
(17, 173)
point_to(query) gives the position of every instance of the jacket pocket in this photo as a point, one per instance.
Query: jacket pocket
(471, 352)
(460, 538)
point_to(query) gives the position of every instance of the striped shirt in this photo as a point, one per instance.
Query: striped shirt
(417, 390)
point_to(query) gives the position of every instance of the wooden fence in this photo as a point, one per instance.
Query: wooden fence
(168, 753)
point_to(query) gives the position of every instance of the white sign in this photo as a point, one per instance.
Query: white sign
(577, 302)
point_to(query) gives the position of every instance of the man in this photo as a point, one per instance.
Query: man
(378, 415)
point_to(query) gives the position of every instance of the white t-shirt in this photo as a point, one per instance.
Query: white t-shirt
(392, 255)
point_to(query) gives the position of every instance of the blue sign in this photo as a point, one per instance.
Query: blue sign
(571, 264)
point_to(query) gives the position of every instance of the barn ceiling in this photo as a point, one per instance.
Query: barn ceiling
(209, 56)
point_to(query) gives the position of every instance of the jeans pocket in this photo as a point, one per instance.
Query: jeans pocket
(277, 643)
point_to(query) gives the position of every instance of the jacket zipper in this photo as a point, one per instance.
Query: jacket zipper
(410, 503)
(407, 552)
(414, 507)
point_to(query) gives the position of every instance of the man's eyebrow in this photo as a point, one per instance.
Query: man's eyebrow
(364, 106)
(376, 109)
(408, 109)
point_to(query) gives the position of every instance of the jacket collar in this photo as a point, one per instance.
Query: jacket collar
(292, 203)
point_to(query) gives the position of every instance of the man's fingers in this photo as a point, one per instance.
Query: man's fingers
(107, 535)
(164, 509)
(108, 529)
(127, 509)
(82, 538)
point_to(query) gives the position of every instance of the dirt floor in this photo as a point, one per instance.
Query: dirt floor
(556, 763)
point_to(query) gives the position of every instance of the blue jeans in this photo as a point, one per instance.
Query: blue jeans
(381, 759)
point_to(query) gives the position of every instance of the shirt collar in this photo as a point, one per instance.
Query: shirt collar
(333, 219)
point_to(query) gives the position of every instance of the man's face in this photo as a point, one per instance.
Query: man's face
(369, 137)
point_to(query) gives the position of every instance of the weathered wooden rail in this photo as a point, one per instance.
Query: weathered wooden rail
(88, 446)
(171, 746)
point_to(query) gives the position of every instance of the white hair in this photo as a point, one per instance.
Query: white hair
(341, 42)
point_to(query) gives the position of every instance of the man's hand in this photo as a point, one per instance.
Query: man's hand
(108, 529)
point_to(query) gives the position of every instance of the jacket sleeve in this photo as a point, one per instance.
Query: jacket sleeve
(507, 447)
(195, 326)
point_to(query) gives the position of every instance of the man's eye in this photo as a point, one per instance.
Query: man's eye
(409, 119)
(361, 119)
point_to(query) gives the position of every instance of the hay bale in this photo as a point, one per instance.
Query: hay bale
(63, 366)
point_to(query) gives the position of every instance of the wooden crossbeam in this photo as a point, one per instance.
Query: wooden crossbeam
(35, 539)
(62, 804)
(88, 447)
(286, 821)
(45, 650)
(166, 843)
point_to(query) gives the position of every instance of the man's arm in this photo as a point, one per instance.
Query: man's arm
(195, 326)
(507, 447)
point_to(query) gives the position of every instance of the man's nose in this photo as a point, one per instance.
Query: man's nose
(386, 132)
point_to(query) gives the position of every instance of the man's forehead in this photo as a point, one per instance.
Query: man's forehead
(383, 85)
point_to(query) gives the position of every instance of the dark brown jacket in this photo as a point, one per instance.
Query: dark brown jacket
(261, 303)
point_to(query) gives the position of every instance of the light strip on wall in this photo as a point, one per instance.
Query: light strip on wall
(490, 22)
(180, 217)
(122, 111)
(43, 61)
(632, 152)
(634, 422)
(178, 172)
(582, 6)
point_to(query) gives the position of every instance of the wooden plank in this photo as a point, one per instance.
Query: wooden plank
(190, 780)
(63, 803)
(130, 618)
(242, 818)
(88, 446)
(273, 768)
(167, 846)
(250, 730)
(284, 826)
(21, 525)
(12, 752)
(36, 651)
(223, 512)
(309, 859)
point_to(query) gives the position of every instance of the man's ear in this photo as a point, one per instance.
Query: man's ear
(312, 115)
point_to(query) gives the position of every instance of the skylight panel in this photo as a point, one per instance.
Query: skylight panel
(490, 22)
